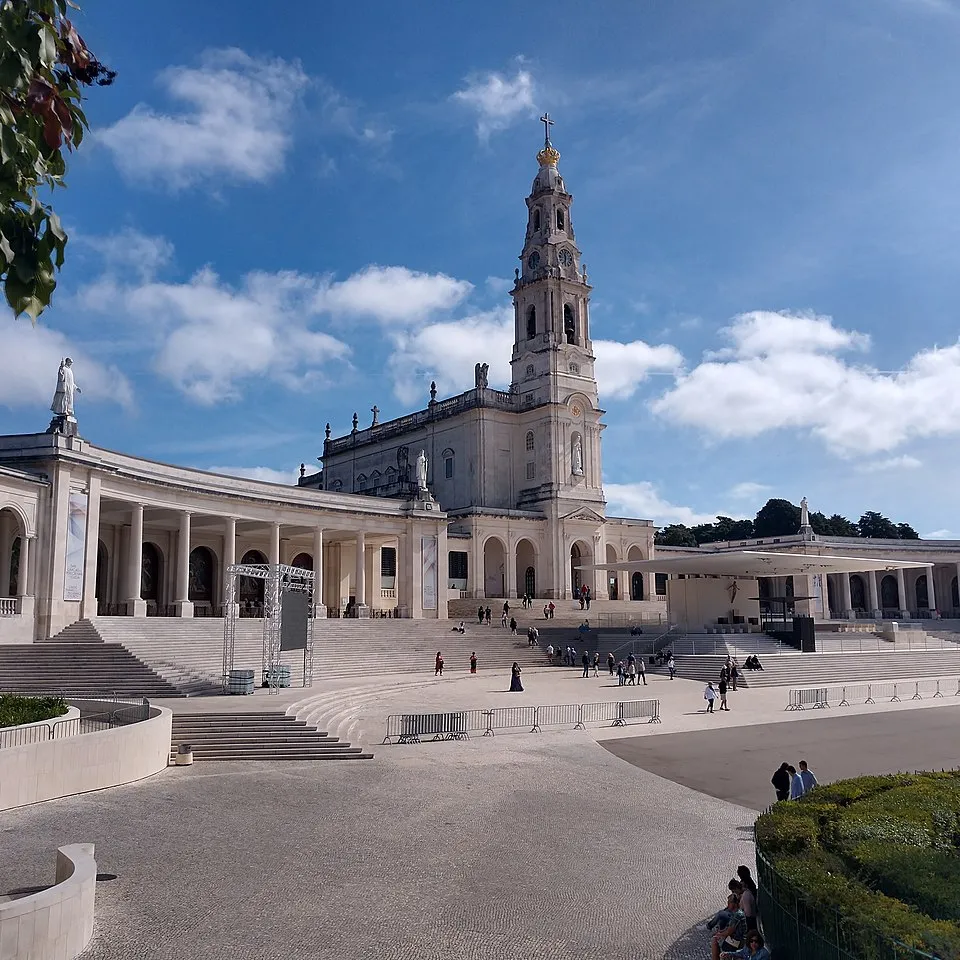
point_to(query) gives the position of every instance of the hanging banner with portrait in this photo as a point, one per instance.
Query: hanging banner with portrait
(428, 552)
(76, 546)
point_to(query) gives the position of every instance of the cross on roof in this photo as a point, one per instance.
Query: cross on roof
(547, 124)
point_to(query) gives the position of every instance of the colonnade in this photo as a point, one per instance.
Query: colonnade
(922, 591)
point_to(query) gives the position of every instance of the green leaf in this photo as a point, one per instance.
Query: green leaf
(48, 45)
(55, 227)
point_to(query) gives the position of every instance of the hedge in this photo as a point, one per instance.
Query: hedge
(882, 852)
(17, 710)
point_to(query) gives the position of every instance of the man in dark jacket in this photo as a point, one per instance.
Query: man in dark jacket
(781, 782)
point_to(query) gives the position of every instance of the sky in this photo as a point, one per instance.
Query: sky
(278, 221)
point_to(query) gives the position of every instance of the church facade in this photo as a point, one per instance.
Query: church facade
(518, 472)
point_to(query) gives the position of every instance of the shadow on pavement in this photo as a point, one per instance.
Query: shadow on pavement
(693, 944)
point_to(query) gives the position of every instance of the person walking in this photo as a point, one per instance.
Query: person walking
(473, 662)
(513, 625)
(621, 674)
(596, 663)
(506, 608)
(642, 669)
(672, 666)
(709, 694)
(734, 673)
(488, 616)
(503, 619)
(806, 775)
(536, 636)
(480, 614)
(515, 685)
(611, 663)
(546, 612)
(796, 784)
(722, 690)
(552, 609)
(586, 663)
(631, 672)
(438, 666)
(781, 781)
(587, 597)
(549, 651)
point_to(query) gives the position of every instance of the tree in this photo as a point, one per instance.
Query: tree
(675, 535)
(777, 518)
(873, 524)
(906, 532)
(727, 528)
(44, 64)
(833, 526)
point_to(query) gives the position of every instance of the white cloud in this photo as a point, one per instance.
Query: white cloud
(130, 249)
(622, 367)
(29, 361)
(346, 117)
(782, 371)
(748, 490)
(497, 99)
(448, 353)
(266, 474)
(393, 294)
(236, 124)
(642, 500)
(942, 534)
(499, 286)
(905, 462)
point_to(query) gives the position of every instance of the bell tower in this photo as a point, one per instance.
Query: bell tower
(551, 296)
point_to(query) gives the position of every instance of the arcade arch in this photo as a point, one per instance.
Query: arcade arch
(494, 568)
(526, 568)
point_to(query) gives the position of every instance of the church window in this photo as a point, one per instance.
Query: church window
(447, 456)
(560, 219)
(529, 369)
(528, 399)
(569, 324)
(536, 219)
(574, 367)
(531, 470)
(375, 478)
(362, 482)
(661, 582)
(388, 562)
(337, 485)
(530, 440)
(457, 568)
(531, 322)
(391, 475)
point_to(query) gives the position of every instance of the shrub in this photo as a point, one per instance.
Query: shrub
(17, 710)
(871, 859)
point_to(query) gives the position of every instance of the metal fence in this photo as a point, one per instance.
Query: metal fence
(100, 713)
(796, 927)
(893, 691)
(458, 725)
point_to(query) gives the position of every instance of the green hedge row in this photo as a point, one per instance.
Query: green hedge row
(883, 852)
(16, 710)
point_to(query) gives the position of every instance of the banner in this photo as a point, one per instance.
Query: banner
(428, 552)
(76, 546)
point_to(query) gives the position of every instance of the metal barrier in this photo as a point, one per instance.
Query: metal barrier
(410, 727)
(893, 691)
(96, 713)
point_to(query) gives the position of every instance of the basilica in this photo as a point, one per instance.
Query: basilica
(488, 494)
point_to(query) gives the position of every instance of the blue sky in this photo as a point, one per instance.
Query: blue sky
(278, 221)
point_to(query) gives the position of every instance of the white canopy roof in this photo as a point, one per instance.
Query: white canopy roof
(756, 563)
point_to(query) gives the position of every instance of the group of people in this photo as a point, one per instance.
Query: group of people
(729, 675)
(792, 784)
(584, 596)
(735, 928)
(632, 672)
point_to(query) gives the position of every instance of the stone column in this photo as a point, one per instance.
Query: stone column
(954, 611)
(902, 594)
(846, 603)
(182, 599)
(360, 577)
(273, 554)
(23, 573)
(319, 607)
(6, 553)
(510, 571)
(931, 590)
(88, 607)
(872, 597)
(404, 575)
(229, 559)
(136, 607)
(271, 592)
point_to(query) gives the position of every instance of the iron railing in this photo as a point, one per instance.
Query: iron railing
(96, 713)
(893, 691)
(459, 724)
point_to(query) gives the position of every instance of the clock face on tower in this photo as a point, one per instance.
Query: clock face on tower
(566, 258)
(533, 261)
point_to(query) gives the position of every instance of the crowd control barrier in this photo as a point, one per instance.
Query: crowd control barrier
(893, 691)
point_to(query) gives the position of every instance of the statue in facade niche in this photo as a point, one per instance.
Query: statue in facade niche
(422, 472)
(67, 387)
(577, 458)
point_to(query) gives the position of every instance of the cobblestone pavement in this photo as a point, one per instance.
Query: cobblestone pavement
(518, 848)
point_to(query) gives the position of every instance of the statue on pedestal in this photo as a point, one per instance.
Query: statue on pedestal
(804, 513)
(422, 473)
(480, 373)
(64, 421)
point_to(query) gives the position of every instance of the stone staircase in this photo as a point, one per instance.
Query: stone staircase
(809, 669)
(257, 736)
(566, 613)
(190, 651)
(86, 667)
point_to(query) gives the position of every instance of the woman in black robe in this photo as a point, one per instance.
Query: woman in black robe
(515, 685)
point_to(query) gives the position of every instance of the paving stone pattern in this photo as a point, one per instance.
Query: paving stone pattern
(513, 850)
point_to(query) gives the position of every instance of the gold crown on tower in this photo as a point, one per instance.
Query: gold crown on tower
(548, 156)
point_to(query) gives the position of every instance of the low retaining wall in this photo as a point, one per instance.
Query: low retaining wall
(89, 761)
(56, 923)
(66, 725)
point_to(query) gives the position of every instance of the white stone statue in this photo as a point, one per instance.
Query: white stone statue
(422, 472)
(577, 458)
(66, 388)
(804, 513)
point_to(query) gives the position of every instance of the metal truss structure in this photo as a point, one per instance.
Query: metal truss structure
(278, 578)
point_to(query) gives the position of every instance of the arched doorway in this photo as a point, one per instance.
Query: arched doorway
(202, 566)
(494, 568)
(11, 529)
(526, 569)
(580, 555)
(858, 592)
(613, 576)
(920, 589)
(636, 586)
(151, 572)
(303, 561)
(250, 589)
(889, 594)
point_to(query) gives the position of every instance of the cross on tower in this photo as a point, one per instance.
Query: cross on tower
(547, 124)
